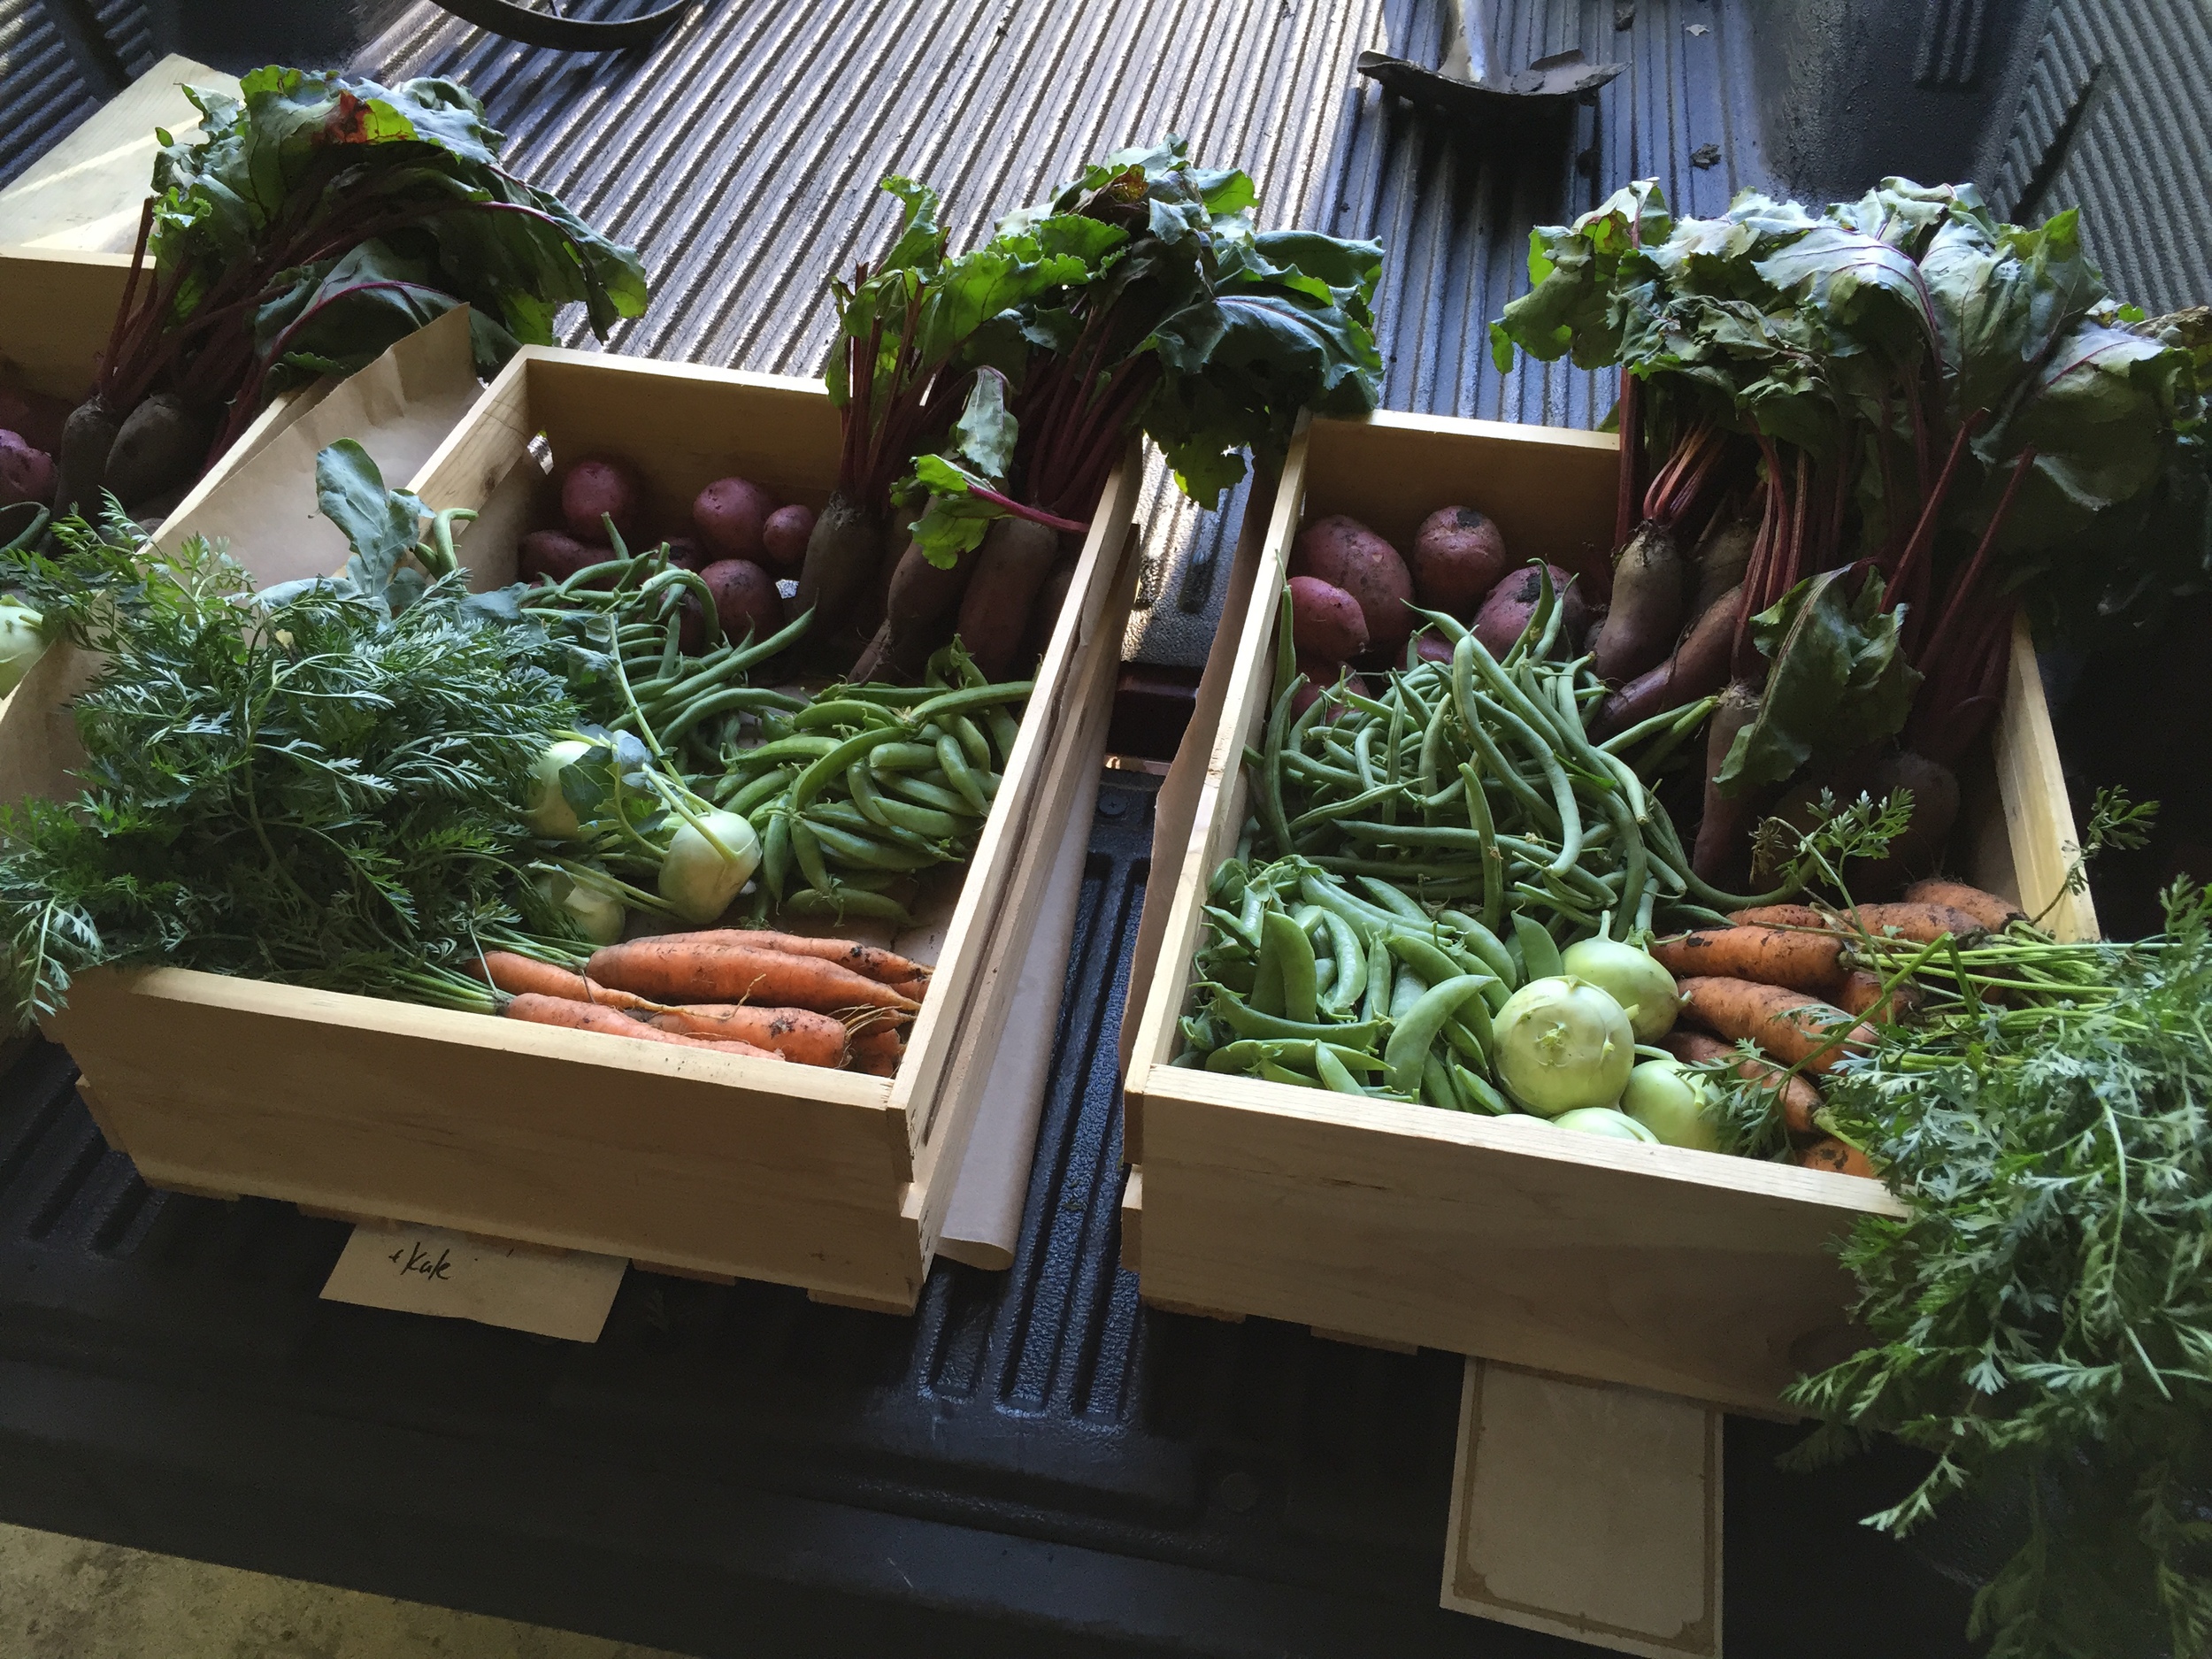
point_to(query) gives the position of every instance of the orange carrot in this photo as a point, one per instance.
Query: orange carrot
(876, 1049)
(1788, 1025)
(561, 1011)
(516, 974)
(1920, 923)
(1861, 993)
(672, 969)
(1836, 1157)
(796, 1033)
(1799, 1099)
(1771, 956)
(1782, 916)
(1985, 908)
(876, 963)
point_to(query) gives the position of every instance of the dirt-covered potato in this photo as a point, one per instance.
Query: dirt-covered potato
(595, 490)
(728, 515)
(1458, 556)
(1346, 554)
(745, 598)
(1325, 622)
(1511, 602)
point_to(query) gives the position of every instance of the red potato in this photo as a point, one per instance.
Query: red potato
(556, 555)
(784, 534)
(36, 417)
(595, 490)
(1319, 678)
(27, 473)
(745, 598)
(1458, 555)
(1346, 554)
(1325, 622)
(729, 515)
(686, 553)
(1432, 647)
(1506, 613)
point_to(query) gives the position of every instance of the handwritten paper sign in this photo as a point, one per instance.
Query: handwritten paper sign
(451, 1276)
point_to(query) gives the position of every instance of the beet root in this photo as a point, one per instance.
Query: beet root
(1722, 852)
(87, 439)
(1011, 568)
(745, 598)
(1646, 612)
(160, 445)
(27, 473)
(841, 556)
(1458, 556)
(1698, 668)
(923, 597)
(1722, 558)
(36, 418)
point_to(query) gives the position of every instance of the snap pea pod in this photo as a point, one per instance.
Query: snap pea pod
(1415, 1031)
(1248, 1021)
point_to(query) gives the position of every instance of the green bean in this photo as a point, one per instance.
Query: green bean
(1329, 811)
(1271, 779)
(1417, 1030)
(955, 762)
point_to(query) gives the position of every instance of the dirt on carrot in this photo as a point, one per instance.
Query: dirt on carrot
(675, 969)
(561, 1011)
(1799, 1099)
(799, 1035)
(518, 975)
(1920, 924)
(1809, 962)
(1788, 1025)
(1836, 1157)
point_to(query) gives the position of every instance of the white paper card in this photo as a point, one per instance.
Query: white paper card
(1588, 1511)
(451, 1276)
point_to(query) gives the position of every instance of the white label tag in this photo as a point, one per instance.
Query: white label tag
(451, 1276)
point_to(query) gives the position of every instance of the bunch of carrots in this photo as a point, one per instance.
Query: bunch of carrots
(1787, 991)
(830, 1002)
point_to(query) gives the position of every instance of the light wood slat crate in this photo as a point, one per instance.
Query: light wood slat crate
(1685, 1271)
(57, 311)
(718, 1166)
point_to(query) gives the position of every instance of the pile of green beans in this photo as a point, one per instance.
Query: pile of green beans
(628, 612)
(1476, 781)
(854, 791)
(857, 792)
(1303, 980)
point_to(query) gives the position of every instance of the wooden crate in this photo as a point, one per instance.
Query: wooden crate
(1685, 1271)
(57, 311)
(713, 1165)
